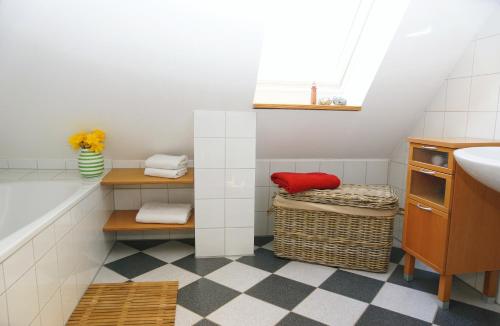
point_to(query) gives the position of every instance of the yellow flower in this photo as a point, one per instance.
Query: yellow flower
(97, 147)
(91, 139)
(101, 135)
(77, 140)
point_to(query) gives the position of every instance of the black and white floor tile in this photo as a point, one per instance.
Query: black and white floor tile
(268, 290)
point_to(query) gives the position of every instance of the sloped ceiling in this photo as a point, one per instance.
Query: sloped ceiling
(138, 69)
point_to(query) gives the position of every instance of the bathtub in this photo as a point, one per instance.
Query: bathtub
(51, 246)
(26, 207)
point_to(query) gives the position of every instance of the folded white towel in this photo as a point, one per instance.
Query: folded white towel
(171, 174)
(167, 162)
(156, 212)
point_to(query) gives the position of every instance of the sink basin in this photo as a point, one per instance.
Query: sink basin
(482, 163)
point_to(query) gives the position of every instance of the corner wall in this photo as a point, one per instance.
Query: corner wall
(466, 105)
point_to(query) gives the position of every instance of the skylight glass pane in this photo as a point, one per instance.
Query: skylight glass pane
(305, 40)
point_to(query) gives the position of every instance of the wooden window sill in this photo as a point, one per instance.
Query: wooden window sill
(265, 106)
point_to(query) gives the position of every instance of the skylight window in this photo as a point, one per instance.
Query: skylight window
(309, 41)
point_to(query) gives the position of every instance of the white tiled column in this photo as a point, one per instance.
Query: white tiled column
(224, 161)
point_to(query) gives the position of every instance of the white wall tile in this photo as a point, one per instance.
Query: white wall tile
(127, 164)
(69, 297)
(66, 257)
(333, 167)
(209, 183)
(51, 164)
(304, 166)
(463, 68)
(239, 213)
(400, 153)
(154, 195)
(457, 94)
(455, 124)
(127, 199)
(2, 280)
(376, 172)
(51, 314)
(240, 153)
(181, 196)
(434, 124)
(260, 223)
(44, 241)
(71, 164)
(18, 263)
(262, 168)
(209, 153)
(486, 58)
(497, 128)
(4, 163)
(209, 123)
(481, 125)
(418, 129)
(261, 199)
(209, 242)
(240, 183)
(22, 164)
(438, 102)
(22, 300)
(240, 124)
(282, 166)
(47, 276)
(4, 319)
(354, 172)
(397, 175)
(63, 225)
(209, 213)
(239, 241)
(484, 93)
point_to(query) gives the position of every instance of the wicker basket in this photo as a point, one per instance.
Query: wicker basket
(358, 240)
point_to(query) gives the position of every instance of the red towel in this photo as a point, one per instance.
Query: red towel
(297, 182)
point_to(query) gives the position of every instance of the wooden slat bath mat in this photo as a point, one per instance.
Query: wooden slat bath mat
(141, 303)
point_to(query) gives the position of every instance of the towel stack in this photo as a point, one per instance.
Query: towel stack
(166, 166)
(156, 212)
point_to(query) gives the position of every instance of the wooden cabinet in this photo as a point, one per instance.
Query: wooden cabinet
(451, 220)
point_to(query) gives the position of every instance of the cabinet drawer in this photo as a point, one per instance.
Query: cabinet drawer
(429, 187)
(432, 157)
(426, 233)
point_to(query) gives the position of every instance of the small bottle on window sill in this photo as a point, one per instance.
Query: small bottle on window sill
(313, 93)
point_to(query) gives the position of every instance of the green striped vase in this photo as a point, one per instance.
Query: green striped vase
(91, 164)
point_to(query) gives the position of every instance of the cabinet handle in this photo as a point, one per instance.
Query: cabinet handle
(428, 171)
(432, 148)
(424, 208)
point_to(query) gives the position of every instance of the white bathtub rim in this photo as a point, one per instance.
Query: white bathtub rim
(18, 239)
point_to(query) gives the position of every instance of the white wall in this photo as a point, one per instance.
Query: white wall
(466, 105)
(134, 68)
(138, 69)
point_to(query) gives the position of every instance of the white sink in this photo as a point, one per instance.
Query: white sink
(482, 163)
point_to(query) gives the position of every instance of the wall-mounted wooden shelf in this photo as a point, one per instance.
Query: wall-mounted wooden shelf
(271, 106)
(137, 177)
(124, 221)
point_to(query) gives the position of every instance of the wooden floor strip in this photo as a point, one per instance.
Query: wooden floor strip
(127, 304)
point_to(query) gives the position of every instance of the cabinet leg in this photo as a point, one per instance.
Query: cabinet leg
(409, 267)
(444, 291)
(490, 286)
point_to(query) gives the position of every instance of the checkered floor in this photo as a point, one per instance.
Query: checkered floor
(266, 290)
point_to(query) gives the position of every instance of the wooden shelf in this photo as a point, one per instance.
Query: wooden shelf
(124, 221)
(270, 106)
(136, 177)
